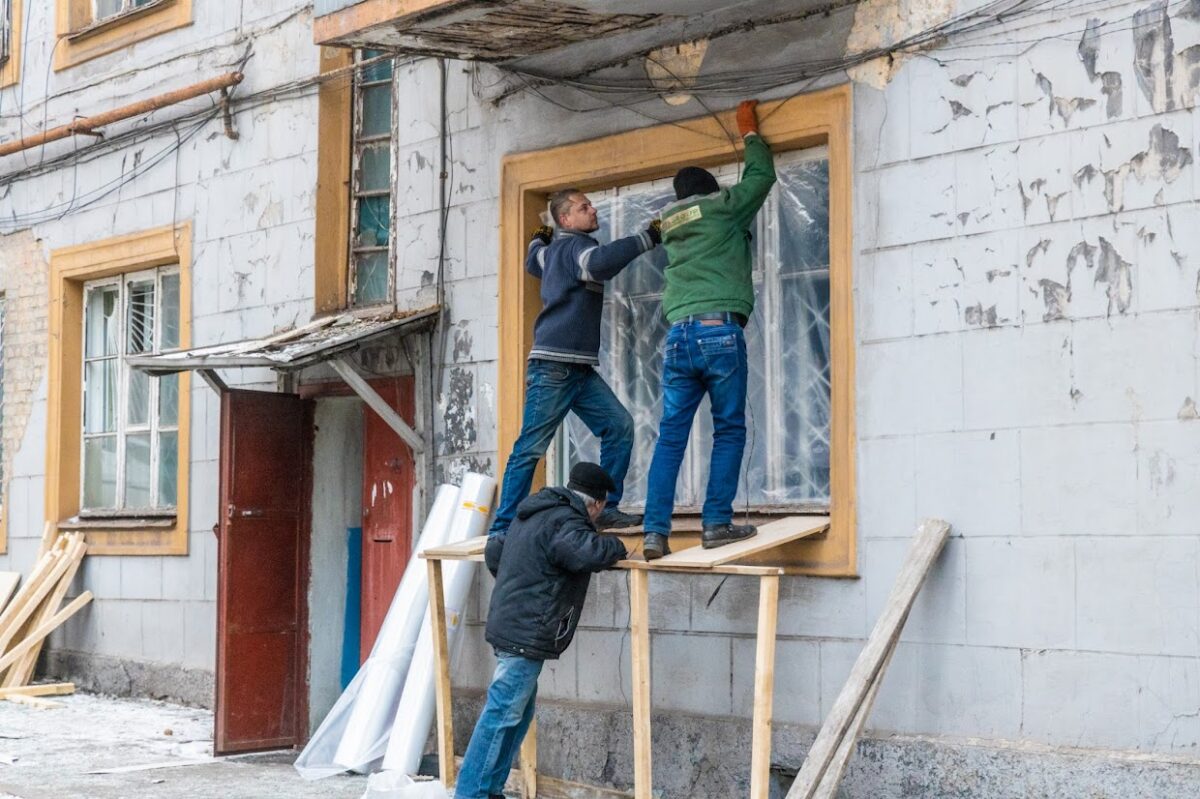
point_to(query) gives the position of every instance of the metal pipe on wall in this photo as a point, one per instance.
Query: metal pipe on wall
(90, 124)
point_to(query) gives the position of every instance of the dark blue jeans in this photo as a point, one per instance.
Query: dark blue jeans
(699, 359)
(502, 725)
(552, 390)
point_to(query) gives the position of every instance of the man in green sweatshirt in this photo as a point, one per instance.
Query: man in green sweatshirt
(708, 299)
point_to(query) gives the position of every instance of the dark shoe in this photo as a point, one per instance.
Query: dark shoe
(614, 518)
(718, 535)
(654, 546)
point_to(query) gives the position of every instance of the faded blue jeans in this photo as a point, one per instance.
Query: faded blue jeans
(502, 725)
(552, 390)
(699, 359)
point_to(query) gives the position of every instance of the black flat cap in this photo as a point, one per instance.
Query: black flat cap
(591, 480)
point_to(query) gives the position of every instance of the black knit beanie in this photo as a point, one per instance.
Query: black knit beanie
(693, 180)
(592, 480)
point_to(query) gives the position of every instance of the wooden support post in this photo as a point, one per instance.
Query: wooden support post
(362, 388)
(927, 544)
(529, 778)
(827, 789)
(214, 380)
(441, 666)
(639, 648)
(764, 687)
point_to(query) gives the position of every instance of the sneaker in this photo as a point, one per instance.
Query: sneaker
(717, 535)
(654, 546)
(614, 518)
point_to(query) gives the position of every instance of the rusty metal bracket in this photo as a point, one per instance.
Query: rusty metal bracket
(227, 115)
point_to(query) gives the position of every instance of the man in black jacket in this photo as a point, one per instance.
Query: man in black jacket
(542, 569)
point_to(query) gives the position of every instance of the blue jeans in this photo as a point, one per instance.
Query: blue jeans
(502, 725)
(699, 359)
(552, 390)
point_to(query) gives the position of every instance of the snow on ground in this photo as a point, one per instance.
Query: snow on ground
(46, 754)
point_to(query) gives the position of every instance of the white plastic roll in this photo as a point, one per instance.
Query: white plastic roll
(414, 716)
(355, 733)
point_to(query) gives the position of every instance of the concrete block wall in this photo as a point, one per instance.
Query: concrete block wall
(251, 206)
(1026, 324)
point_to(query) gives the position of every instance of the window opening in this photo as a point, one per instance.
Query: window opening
(130, 420)
(788, 407)
(109, 9)
(371, 183)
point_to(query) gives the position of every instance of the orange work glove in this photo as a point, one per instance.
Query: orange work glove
(747, 119)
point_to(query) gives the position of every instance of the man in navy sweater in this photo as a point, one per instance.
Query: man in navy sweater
(561, 376)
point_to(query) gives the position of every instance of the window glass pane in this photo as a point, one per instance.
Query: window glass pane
(804, 216)
(374, 222)
(805, 411)
(100, 322)
(107, 8)
(168, 400)
(168, 468)
(370, 277)
(375, 168)
(137, 470)
(373, 72)
(100, 472)
(170, 312)
(139, 318)
(137, 398)
(376, 110)
(100, 397)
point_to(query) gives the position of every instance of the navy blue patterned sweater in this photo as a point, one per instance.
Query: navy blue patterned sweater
(573, 268)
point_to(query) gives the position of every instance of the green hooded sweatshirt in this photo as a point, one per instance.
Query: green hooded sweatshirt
(707, 238)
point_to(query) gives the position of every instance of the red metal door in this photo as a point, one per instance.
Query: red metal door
(387, 508)
(262, 574)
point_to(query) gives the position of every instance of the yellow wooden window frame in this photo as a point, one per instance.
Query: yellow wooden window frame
(332, 235)
(10, 72)
(80, 40)
(70, 268)
(807, 120)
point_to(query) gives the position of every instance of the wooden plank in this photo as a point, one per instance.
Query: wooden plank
(463, 550)
(841, 758)
(33, 701)
(41, 632)
(927, 544)
(28, 601)
(769, 536)
(529, 775)
(362, 388)
(726, 568)
(49, 538)
(441, 666)
(8, 586)
(46, 689)
(764, 688)
(639, 650)
(21, 672)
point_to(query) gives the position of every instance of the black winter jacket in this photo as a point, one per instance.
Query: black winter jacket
(542, 569)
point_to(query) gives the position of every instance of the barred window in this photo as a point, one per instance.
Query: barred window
(786, 463)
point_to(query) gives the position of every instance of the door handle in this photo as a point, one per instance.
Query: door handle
(231, 511)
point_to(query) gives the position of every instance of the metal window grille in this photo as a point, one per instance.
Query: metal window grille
(786, 462)
(130, 430)
(371, 224)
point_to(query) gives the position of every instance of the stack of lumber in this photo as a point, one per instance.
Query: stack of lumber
(33, 612)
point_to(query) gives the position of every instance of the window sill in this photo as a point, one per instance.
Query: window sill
(119, 523)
